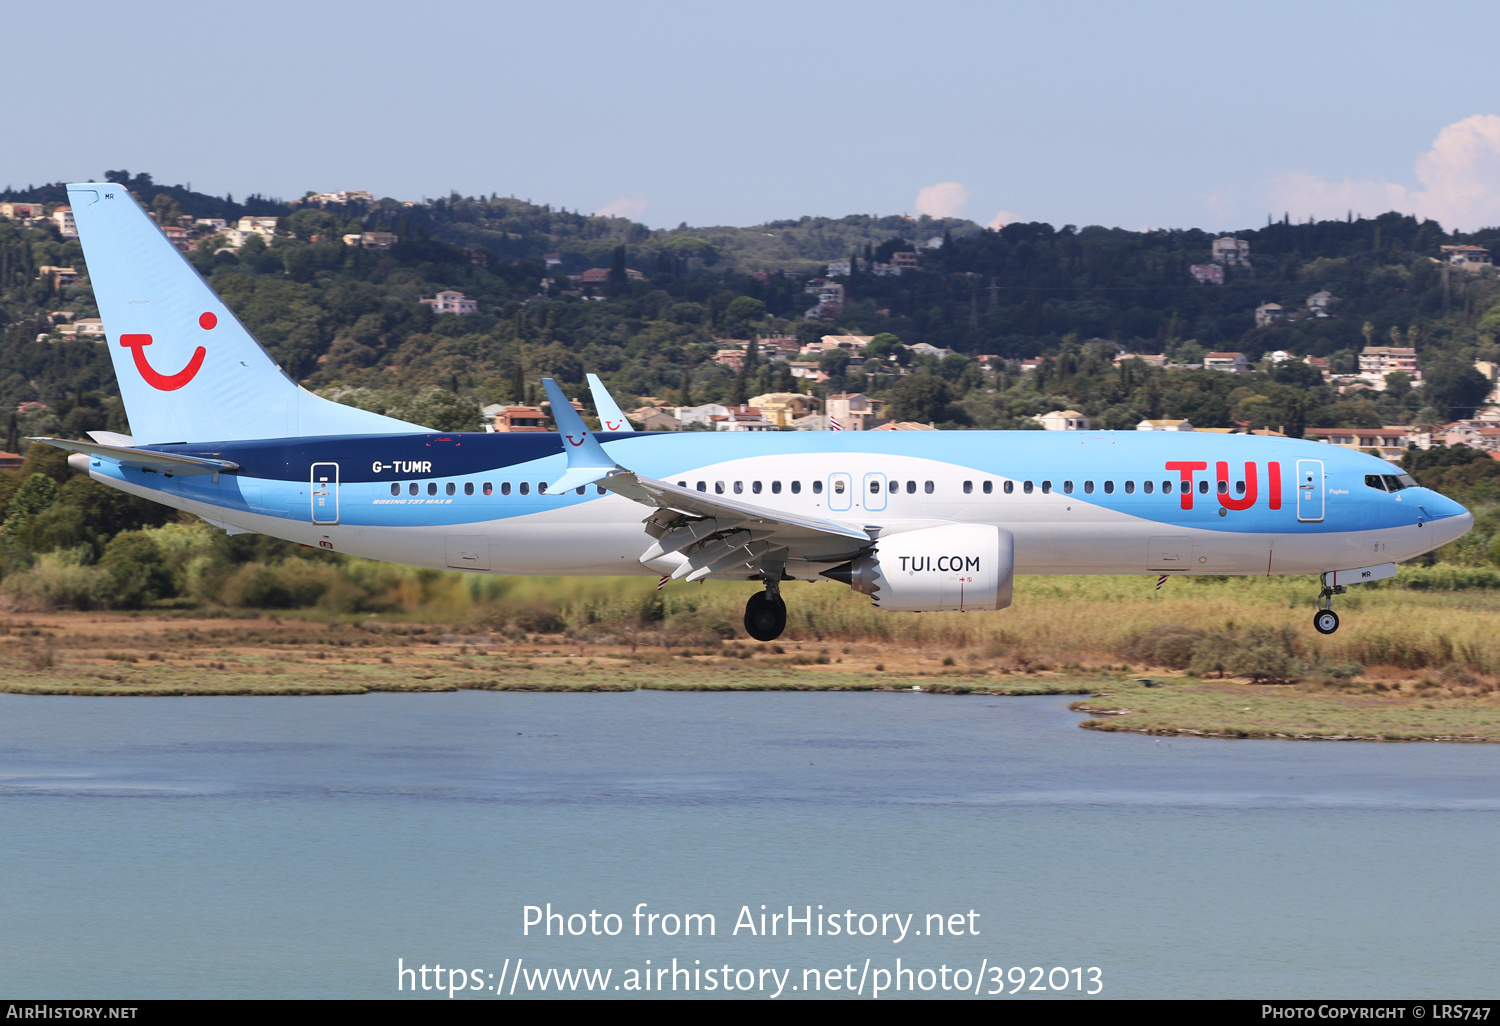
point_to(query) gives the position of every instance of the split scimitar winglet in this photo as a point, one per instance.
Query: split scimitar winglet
(587, 460)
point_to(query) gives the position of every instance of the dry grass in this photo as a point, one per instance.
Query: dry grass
(1427, 660)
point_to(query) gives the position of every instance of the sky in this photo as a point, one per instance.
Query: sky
(1158, 114)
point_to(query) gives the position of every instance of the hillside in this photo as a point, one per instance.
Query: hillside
(347, 317)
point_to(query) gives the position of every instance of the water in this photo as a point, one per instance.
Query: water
(289, 847)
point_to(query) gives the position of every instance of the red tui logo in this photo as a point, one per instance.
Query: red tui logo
(168, 382)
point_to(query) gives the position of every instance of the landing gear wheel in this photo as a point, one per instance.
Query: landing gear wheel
(1325, 621)
(765, 617)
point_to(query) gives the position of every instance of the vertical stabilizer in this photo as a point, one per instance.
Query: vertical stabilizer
(188, 369)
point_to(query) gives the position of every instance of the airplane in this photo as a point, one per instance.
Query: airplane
(916, 520)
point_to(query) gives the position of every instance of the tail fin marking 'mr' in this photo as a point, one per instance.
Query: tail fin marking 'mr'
(188, 369)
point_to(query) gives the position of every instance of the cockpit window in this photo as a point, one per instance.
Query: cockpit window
(1389, 482)
(1375, 481)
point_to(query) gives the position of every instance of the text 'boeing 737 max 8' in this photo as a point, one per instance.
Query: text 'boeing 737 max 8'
(916, 520)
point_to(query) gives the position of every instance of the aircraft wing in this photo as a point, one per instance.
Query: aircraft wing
(713, 534)
(150, 459)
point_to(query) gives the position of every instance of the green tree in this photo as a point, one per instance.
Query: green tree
(1454, 388)
(36, 494)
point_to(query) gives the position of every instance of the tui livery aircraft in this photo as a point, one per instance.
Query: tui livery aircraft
(915, 520)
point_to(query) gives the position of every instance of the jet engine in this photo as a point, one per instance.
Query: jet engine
(958, 566)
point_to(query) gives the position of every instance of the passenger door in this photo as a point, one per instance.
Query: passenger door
(325, 493)
(1310, 491)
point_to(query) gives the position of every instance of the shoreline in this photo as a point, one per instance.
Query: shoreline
(104, 656)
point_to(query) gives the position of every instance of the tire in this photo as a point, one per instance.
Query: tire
(765, 617)
(1325, 621)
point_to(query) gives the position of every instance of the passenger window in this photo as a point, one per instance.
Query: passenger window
(1026, 488)
(524, 488)
(578, 490)
(1129, 487)
(1166, 487)
(681, 484)
(1068, 487)
(1046, 487)
(1148, 486)
(1202, 487)
(989, 486)
(598, 489)
(1010, 486)
(893, 486)
(755, 487)
(1239, 488)
(838, 487)
(1223, 487)
(468, 487)
(718, 487)
(396, 487)
(739, 488)
(874, 486)
(817, 487)
(796, 487)
(968, 487)
(541, 487)
(431, 487)
(412, 488)
(451, 489)
(911, 488)
(504, 487)
(1109, 488)
(927, 487)
(1088, 488)
(703, 486)
(489, 489)
(775, 487)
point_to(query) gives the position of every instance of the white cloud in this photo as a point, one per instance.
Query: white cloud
(632, 206)
(946, 199)
(1458, 183)
(1004, 218)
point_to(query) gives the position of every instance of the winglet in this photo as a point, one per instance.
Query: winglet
(587, 460)
(611, 417)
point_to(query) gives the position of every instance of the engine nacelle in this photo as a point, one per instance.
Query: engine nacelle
(958, 566)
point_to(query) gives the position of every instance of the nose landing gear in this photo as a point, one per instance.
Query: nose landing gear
(765, 613)
(1325, 620)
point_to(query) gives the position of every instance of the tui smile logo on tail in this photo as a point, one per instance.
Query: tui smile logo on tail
(167, 382)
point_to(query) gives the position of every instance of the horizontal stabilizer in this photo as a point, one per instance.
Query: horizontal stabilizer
(150, 459)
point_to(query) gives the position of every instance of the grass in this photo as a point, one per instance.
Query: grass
(1352, 712)
(1408, 663)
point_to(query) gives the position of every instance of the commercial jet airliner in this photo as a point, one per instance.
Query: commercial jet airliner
(929, 520)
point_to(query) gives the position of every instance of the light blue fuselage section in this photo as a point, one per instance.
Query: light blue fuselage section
(1076, 502)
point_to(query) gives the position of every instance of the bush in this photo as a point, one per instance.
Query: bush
(1170, 645)
(57, 581)
(140, 574)
(291, 585)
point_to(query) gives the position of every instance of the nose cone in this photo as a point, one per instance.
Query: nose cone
(1448, 520)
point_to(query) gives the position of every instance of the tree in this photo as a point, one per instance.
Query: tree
(1455, 388)
(921, 398)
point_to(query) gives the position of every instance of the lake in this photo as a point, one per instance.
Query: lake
(300, 846)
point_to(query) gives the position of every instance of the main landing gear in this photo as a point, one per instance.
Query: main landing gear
(765, 613)
(1325, 620)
